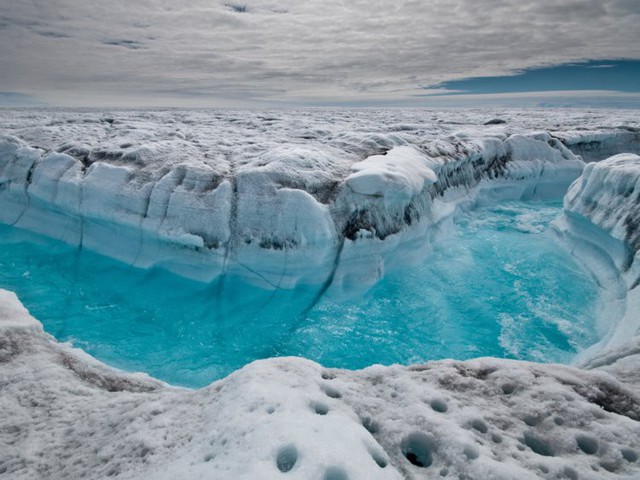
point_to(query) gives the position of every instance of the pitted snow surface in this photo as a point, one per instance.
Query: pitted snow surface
(67, 416)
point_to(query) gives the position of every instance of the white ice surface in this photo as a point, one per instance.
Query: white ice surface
(65, 415)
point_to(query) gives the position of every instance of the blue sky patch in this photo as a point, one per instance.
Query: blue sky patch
(612, 75)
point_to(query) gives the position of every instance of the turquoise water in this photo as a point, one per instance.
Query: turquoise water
(499, 285)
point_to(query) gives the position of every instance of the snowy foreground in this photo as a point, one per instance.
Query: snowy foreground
(64, 415)
(326, 198)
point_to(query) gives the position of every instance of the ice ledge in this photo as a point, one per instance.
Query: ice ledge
(597, 145)
(65, 415)
(279, 218)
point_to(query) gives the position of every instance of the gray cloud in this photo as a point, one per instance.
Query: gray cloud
(130, 44)
(163, 52)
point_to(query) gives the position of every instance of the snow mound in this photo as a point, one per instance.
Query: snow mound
(65, 415)
(400, 174)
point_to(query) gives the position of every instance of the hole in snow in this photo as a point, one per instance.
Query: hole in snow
(335, 473)
(320, 408)
(271, 409)
(587, 444)
(508, 388)
(570, 473)
(479, 425)
(531, 420)
(235, 7)
(370, 425)
(558, 421)
(471, 452)
(538, 445)
(610, 465)
(629, 455)
(444, 472)
(287, 458)
(417, 448)
(439, 405)
(379, 457)
(330, 392)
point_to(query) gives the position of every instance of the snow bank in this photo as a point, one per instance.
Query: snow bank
(65, 415)
(400, 174)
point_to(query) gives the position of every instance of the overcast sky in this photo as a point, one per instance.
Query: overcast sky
(288, 52)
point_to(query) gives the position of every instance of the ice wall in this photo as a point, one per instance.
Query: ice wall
(597, 145)
(280, 215)
(332, 199)
(601, 225)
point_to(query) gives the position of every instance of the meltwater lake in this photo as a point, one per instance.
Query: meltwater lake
(497, 285)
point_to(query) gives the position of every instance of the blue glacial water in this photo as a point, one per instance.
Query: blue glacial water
(498, 285)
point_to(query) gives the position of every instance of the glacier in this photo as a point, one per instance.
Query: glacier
(331, 198)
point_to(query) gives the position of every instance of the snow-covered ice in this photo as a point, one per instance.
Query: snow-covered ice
(67, 416)
(330, 198)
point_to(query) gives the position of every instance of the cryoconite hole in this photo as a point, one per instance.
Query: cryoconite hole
(498, 285)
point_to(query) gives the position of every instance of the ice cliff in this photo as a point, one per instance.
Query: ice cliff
(601, 227)
(281, 199)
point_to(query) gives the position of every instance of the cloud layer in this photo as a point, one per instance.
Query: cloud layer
(217, 53)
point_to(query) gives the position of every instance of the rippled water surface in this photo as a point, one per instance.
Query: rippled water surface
(499, 285)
